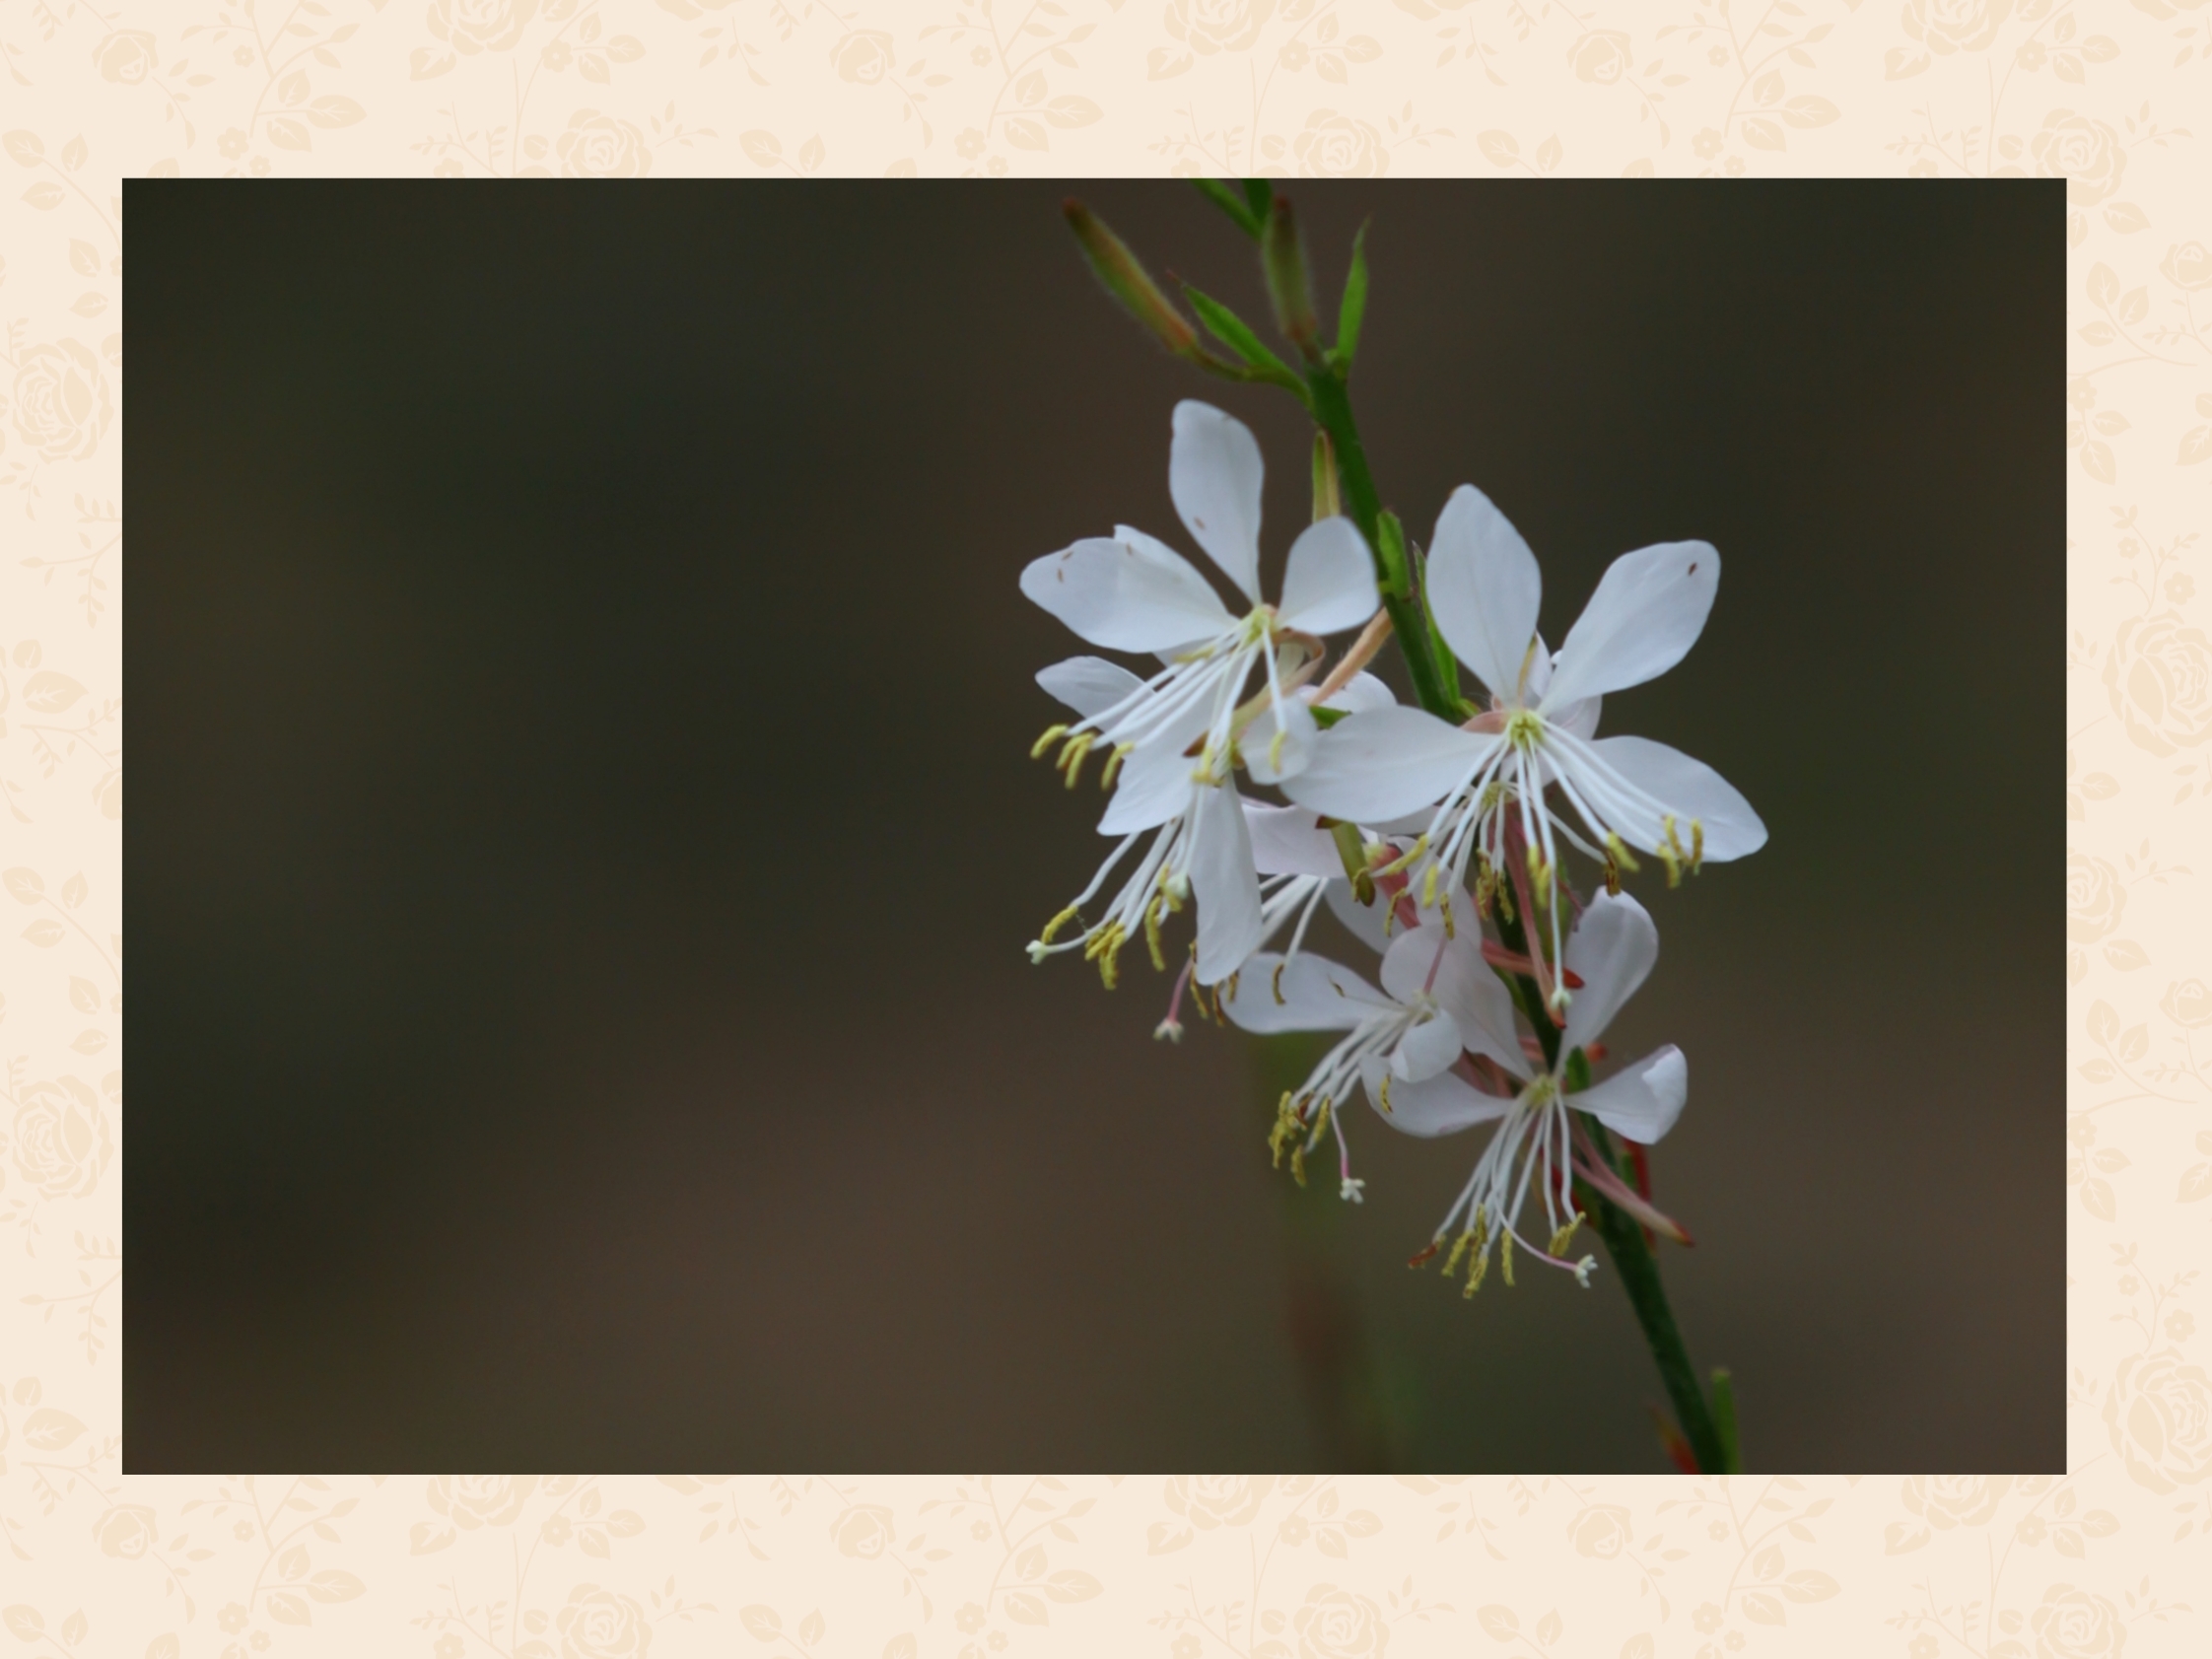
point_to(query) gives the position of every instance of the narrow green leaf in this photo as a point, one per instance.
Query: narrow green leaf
(1724, 1421)
(1235, 333)
(1353, 310)
(1260, 194)
(1232, 203)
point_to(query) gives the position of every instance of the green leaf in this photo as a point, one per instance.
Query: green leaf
(1353, 310)
(1232, 203)
(1260, 194)
(1235, 333)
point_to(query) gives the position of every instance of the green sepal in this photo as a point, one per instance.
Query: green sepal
(1233, 203)
(1724, 1421)
(1326, 718)
(1353, 312)
(1235, 333)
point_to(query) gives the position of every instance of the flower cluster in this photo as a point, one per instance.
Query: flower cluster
(1438, 845)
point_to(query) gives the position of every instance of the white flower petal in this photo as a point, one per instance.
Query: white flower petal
(1483, 589)
(1153, 786)
(1425, 1050)
(1316, 996)
(1330, 584)
(1612, 950)
(1443, 1104)
(1088, 685)
(1687, 788)
(1469, 989)
(1385, 761)
(1647, 612)
(1579, 719)
(1215, 474)
(1365, 922)
(1127, 596)
(1293, 721)
(1641, 1102)
(1360, 694)
(1451, 970)
(1287, 841)
(1224, 883)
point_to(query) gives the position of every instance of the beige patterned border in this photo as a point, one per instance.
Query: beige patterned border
(607, 1567)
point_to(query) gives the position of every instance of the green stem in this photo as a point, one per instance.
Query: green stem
(1638, 1269)
(1332, 412)
(1633, 1260)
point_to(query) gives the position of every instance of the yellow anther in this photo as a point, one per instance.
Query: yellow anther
(1612, 877)
(1298, 1164)
(1073, 753)
(1114, 765)
(1620, 854)
(1153, 932)
(1564, 1236)
(1405, 860)
(1428, 888)
(1105, 949)
(1697, 844)
(1275, 747)
(1459, 1249)
(1386, 1093)
(1505, 1256)
(1451, 930)
(1478, 1270)
(1286, 1124)
(1045, 742)
(1670, 851)
(1320, 1121)
(1228, 986)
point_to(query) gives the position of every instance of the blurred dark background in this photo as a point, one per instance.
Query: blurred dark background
(585, 841)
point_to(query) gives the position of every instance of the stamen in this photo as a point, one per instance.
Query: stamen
(1114, 765)
(1045, 742)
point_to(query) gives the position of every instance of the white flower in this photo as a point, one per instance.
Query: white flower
(1200, 845)
(1132, 592)
(1537, 1142)
(1403, 1042)
(1490, 776)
